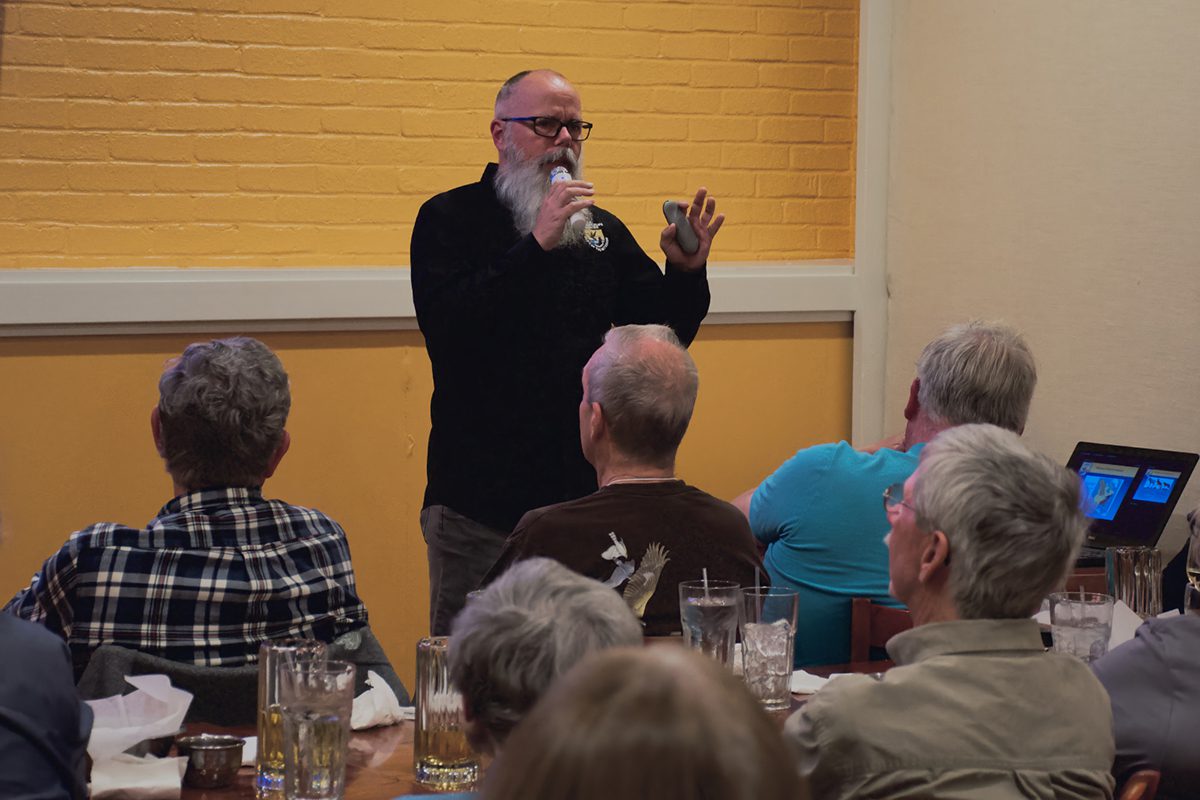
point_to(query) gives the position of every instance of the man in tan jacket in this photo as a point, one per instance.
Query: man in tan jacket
(980, 533)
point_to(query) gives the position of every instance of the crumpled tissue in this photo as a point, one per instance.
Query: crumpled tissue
(377, 706)
(155, 709)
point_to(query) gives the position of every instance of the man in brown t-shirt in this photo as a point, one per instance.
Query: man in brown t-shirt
(645, 530)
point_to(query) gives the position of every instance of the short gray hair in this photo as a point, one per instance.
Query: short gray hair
(510, 85)
(977, 372)
(1012, 517)
(529, 626)
(646, 384)
(222, 409)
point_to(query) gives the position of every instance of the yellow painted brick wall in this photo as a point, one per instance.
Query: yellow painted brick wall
(308, 132)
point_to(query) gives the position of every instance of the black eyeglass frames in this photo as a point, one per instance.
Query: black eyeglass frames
(549, 127)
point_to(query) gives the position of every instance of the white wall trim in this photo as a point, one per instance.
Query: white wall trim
(870, 222)
(44, 302)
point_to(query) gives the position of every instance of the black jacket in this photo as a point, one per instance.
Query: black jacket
(508, 328)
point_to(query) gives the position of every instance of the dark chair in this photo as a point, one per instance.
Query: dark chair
(1142, 785)
(220, 695)
(226, 695)
(872, 625)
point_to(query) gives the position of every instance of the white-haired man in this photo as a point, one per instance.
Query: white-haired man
(818, 514)
(645, 530)
(528, 627)
(220, 568)
(512, 297)
(975, 706)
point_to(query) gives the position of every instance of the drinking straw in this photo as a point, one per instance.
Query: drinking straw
(758, 592)
(704, 572)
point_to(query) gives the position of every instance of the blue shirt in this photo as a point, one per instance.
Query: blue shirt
(821, 516)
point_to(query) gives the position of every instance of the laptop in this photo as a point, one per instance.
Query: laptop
(1128, 494)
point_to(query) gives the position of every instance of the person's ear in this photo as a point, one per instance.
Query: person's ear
(497, 129)
(935, 557)
(914, 405)
(156, 432)
(285, 442)
(597, 426)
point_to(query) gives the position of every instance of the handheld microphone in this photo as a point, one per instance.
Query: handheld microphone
(558, 175)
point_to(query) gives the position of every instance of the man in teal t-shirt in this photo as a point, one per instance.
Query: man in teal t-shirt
(821, 516)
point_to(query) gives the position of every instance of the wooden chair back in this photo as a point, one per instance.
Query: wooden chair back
(1142, 785)
(871, 625)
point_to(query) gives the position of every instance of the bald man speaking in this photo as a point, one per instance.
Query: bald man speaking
(515, 279)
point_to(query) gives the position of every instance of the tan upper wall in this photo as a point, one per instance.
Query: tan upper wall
(1045, 171)
(308, 132)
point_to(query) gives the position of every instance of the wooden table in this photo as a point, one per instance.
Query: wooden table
(379, 765)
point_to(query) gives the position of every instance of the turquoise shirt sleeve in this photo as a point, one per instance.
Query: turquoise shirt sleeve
(794, 485)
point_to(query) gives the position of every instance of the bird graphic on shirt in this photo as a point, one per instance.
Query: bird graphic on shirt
(617, 553)
(644, 581)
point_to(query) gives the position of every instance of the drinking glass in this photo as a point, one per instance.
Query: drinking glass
(1134, 577)
(768, 641)
(708, 612)
(442, 757)
(1080, 623)
(273, 658)
(317, 700)
(1191, 594)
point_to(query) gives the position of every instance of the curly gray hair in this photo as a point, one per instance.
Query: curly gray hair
(529, 626)
(1012, 517)
(222, 409)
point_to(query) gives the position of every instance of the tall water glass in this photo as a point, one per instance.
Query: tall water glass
(442, 757)
(1134, 576)
(317, 700)
(1191, 595)
(273, 657)
(708, 612)
(768, 642)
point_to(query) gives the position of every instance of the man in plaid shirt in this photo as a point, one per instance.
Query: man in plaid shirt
(220, 569)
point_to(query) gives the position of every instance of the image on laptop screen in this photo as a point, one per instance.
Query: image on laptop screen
(1129, 492)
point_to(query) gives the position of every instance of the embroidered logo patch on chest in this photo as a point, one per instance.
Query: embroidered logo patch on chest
(593, 234)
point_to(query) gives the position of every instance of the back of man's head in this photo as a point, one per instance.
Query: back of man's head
(977, 372)
(1012, 518)
(646, 385)
(529, 626)
(222, 410)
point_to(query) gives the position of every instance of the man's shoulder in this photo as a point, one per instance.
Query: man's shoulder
(30, 641)
(467, 194)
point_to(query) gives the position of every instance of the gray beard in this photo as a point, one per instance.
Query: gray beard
(522, 187)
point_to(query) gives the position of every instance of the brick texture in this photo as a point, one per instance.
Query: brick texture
(308, 132)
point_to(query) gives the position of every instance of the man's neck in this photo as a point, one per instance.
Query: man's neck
(623, 471)
(920, 430)
(930, 608)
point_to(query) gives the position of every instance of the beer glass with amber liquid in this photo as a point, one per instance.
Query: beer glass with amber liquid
(443, 759)
(273, 658)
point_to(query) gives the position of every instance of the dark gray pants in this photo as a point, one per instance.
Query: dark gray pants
(460, 552)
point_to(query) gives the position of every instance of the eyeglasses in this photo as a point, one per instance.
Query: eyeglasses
(894, 496)
(549, 127)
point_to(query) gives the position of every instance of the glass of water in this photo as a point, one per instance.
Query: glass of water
(709, 613)
(275, 657)
(316, 700)
(1080, 624)
(768, 641)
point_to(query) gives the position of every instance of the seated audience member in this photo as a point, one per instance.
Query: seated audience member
(220, 568)
(644, 530)
(44, 726)
(1152, 682)
(529, 626)
(975, 706)
(819, 514)
(652, 723)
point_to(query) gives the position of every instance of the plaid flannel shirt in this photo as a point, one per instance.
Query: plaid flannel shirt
(213, 575)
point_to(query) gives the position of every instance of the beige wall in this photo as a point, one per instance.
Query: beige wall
(1045, 170)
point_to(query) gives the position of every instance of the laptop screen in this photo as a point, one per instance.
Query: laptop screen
(1129, 492)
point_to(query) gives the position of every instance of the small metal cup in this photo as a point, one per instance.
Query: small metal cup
(213, 761)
